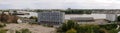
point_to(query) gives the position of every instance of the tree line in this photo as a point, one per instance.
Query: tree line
(73, 27)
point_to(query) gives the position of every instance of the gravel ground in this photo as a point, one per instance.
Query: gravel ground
(33, 28)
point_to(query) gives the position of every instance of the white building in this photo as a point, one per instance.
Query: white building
(51, 18)
(26, 14)
(95, 16)
(111, 17)
(83, 19)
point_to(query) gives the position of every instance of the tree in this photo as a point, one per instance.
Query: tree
(25, 31)
(113, 31)
(33, 17)
(109, 26)
(70, 24)
(67, 26)
(2, 25)
(88, 29)
(18, 32)
(88, 12)
(15, 12)
(71, 31)
(8, 18)
(73, 11)
(4, 17)
(102, 30)
(118, 18)
(3, 31)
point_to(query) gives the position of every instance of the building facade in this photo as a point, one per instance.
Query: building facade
(51, 18)
(83, 19)
(111, 17)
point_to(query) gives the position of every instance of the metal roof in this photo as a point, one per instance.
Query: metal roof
(82, 18)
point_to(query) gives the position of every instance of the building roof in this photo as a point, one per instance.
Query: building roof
(82, 18)
(95, 16)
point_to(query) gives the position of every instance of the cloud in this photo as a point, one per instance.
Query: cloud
(59, 4)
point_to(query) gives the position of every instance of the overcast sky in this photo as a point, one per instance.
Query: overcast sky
(59, 4)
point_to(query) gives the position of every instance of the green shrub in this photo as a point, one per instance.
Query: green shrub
(17, 31)
(2, 25)
(113, 31)
(3, 31)
(71, 31)
(25, 31)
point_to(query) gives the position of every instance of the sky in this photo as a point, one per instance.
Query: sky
(59, 4)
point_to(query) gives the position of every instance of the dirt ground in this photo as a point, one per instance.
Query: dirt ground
(33, 28)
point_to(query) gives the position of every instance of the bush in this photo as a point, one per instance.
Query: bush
(17, 31)
(118, 18)
(113, 31)
(3, 31)
(109, 26)
(34, 17)
(71, 31)
(24, 31)
(70, 26)
(2, 25)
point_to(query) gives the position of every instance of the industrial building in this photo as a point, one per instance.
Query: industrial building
(111, 17)
(25, 14)
(83, 19)
(87, 19)
(51, 18)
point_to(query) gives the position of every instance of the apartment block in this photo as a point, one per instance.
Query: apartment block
(51, 18)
